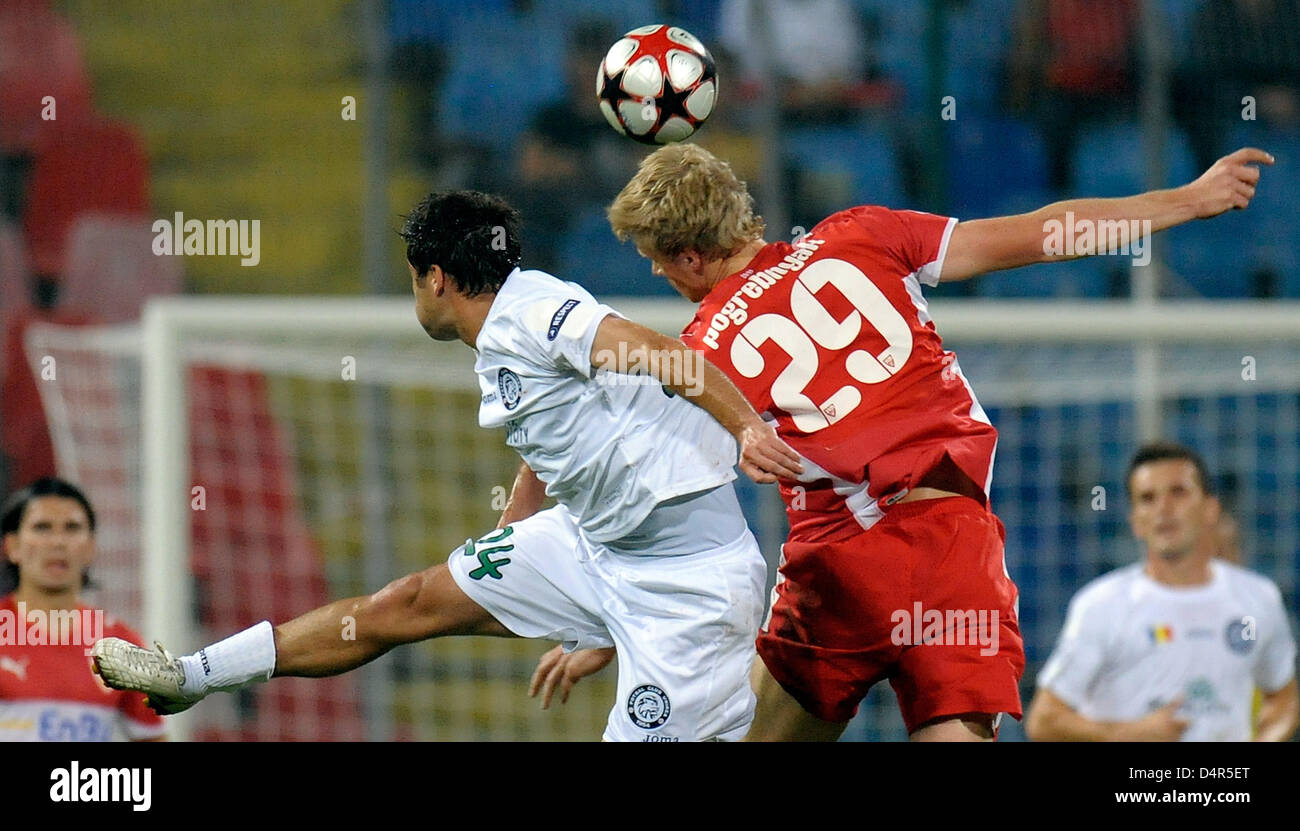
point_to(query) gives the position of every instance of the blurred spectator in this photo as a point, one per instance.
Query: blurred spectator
(1072, 62)
(1238, 48)
(47, 689)
(820, 57)
(570, 158)
(1173, 647)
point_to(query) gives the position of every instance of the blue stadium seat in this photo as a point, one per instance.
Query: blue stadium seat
(699, 17)
(978, 35)
(595, 259)
(863, 155)
(1109, 161)
(995, 166)
(1178, 16)
(439, 21)
(1213, 258)
(500, 76)
(1088, 277)
(623, 15)
(901, 47)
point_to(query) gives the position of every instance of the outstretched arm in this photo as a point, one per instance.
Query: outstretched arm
(984, 245)
(623, 346)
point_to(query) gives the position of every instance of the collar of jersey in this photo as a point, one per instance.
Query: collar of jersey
(507, 288)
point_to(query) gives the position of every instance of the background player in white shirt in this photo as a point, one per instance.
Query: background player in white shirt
(647, 548)
(1172, 647)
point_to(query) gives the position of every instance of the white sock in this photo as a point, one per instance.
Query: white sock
(238, 661)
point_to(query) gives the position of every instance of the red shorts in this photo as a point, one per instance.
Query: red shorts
(921, 598)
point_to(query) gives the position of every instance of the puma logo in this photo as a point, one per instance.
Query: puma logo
(18, 668)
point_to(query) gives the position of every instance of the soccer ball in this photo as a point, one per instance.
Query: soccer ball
(657, 84)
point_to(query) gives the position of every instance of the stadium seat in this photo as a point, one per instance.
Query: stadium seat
(622, 15)
(859, 160)
(438, 21)
(40, 56)
(902, 36)
(111, 268)
(500, 76)
(995, 166)
(699, 17)
(15, 272)
(1109, 161)
(24, 434)
(253, 554)
(595, 259)
(978, 35)
(1213, 258)
(91, 167)
(1089, 277)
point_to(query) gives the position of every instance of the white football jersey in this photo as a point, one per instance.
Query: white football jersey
(1131, 645)
(609, 448)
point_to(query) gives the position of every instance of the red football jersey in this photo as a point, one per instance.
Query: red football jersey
(831, 338)
(47, 689)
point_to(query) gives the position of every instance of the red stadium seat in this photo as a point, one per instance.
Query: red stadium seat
(24, 431)
(91, 167)
(254, 555)
(39, 56)
(111, 268)
(15, 273)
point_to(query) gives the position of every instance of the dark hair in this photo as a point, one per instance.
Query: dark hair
(472, 236)
(11, 519)
(1160, 451)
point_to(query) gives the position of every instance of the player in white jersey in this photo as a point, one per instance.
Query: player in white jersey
(647, 549)
(1173, 647)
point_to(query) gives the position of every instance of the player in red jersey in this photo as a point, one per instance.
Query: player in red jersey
(894, 565)
(47, 689)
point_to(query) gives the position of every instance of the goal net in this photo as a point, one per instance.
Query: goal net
(255, 458)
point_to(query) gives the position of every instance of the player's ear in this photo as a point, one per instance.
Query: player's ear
(438, 279)
(11, 548)
(691, 260)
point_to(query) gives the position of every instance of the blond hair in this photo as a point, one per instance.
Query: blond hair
(681, 197)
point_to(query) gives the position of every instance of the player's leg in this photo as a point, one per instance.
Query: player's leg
(827, 637)
(684, 626)
(349, 633)
(779, 717)
(954, 685)
(330, 640)
(970, 727)
(509, 582)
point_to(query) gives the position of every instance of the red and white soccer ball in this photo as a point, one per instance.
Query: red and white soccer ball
(657, 84)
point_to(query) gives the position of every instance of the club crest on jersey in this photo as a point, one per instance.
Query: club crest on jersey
(1240, 634)
(509, 386)
(648, 707)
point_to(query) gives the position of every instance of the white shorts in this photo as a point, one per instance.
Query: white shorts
(684, 625)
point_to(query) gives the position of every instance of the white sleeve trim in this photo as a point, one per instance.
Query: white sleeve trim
(929, 273)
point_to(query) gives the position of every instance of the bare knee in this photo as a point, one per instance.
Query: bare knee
(967, 727)
(427, 604)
